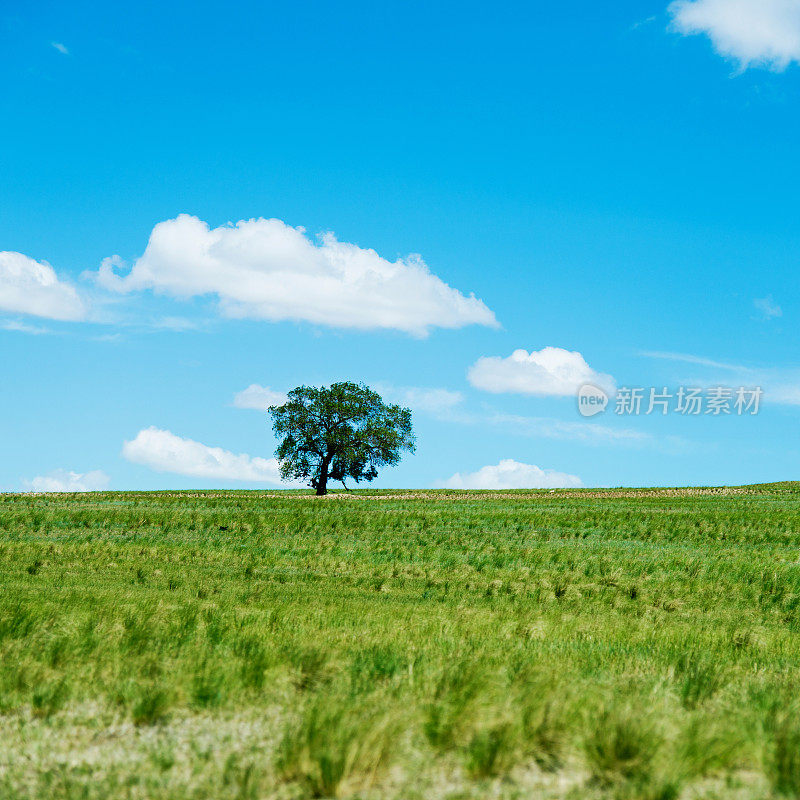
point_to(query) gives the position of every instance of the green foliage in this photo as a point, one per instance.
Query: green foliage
(700, 678)
(150, 705)
(783, 758)
(208, 685)
(621, 746)
(49, 696)
(374, 665)
(311, 664)
(490, 750)
(543, 731)
(338, 432)
(337, 741)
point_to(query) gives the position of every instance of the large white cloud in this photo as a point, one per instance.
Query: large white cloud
(763, 32)
(551, 371)
(266, 269)
(32, 287)
(163, 451)
(258, 398)
(510, 474)
(62, 480)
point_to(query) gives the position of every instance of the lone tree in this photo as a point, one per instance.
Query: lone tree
(338, 432)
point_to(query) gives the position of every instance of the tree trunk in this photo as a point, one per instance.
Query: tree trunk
(322, 481)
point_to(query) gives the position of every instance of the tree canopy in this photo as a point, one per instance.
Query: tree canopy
(338, 432)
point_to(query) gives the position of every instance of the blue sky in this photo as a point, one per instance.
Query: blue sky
(421, 189)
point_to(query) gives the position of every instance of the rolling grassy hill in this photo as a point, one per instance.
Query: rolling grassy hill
(569, 644)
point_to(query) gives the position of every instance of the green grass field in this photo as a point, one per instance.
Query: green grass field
(581, 644)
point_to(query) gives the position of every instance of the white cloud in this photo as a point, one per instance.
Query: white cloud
(591, 433)
(768, 307)
(787, 394)
(163, 451)
(60, 47)
(177, 324)
(266, 269)
(259, 398)
(510, 474)
(62, 480)
(32, 287)
(551, 371)
(754, 32)
(780, 385)
(688, 358)
(435, 401)
(22, 327)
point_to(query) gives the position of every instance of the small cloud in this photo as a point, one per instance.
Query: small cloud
(163, 451)
(768, 307)
(430, 400)
(643, 22)
(549, 372)
(258, 398)
(689, 358)
(780, 385)
(60, 47)
(510, 474)
(177, 324)
(62, 480)
(591, 433)
(21, 327)
(108, 337)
